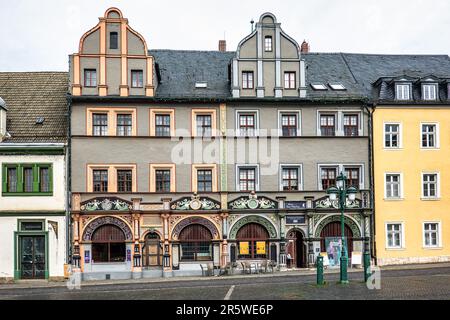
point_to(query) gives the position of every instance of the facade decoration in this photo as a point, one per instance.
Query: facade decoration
(325, 203)
(106, 204)
(336, 218)
(195, 220)
(91, 227)
(195, 202)
(252, 202)
(252, 219)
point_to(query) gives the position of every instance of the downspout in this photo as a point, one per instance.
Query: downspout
(69, 182)
(370, 108)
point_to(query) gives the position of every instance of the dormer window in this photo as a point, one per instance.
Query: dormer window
(403, 91)
(429, 92)
(113, 40)
(268, 43)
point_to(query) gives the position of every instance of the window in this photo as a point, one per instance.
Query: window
(290, 179)
(203, 125)
(137, 79)
(430, 185)
(268, 43)
(252, 241)
(204, 180)
(100, 180)
(327, 125)
(337, 86)
(247, 179)
(124, 180)
(162, 178)
(289, 80)
(247, 124)
(351, 125)
(392, 135)
(247, 80)
(162, 125)
(113, 40)
(124, 124)
(328, 177)
(393, 186)
(90, 77)
(99, 124)
(196, 243)
(431, 234)
(352, 175)
(319, 86)
(429, 92)
(289, 125)
(31, 179)
(429, 136)
(394, 235)
(108, 244)
(402, 92)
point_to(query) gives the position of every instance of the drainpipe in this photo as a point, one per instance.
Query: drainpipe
(69, 182)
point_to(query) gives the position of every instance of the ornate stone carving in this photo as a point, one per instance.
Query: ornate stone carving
(252, 202)
(195, 202)
(255, 219)
(195, 220)
(92, 226)
(106, 204)
(325, 203)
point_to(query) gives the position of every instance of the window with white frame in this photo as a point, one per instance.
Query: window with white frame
(429, 91)
(431, 234)
(393, 186)
(247, 178)
(247, 123)
(351, 125)
(403, 91)
(430, 183)
(290, 178)
(394, 235)
(392, 135)
(267, 43)
(429, 135)
(289, 124)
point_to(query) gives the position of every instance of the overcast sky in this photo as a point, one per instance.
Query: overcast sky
(39, 35)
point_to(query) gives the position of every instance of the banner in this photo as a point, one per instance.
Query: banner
(333, 246)
(260, 247)
(243, 248)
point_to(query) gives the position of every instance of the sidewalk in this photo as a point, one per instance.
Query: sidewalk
(24, 284)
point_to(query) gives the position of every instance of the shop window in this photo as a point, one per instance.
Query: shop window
(196, 244)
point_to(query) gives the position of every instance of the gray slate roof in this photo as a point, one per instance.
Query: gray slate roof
(29, 95)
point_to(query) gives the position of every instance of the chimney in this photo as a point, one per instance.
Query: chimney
(304, 47)
(222, 45)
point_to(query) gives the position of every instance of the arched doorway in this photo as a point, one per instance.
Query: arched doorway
(295, 249)
(196, 243)
(152, 250)
(331, 234)
(108, 244)
(252, 241)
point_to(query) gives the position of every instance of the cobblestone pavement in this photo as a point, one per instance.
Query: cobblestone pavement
(430, 283)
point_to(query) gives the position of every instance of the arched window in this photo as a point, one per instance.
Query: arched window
(253, 239)
(331, 243)
(108, 244)
(196, 244)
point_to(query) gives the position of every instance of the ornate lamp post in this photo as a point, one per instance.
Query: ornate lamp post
(342, 193)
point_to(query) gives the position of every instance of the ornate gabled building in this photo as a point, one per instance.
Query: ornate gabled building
(184, 158)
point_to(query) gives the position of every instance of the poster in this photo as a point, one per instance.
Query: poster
(333, 247)
(260, 247)
(243, 248)
(87, 256)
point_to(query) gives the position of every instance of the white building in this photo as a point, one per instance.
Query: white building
(33, 193)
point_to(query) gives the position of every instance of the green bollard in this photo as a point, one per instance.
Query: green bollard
(344, 276)
(366, 266)
(319, 265)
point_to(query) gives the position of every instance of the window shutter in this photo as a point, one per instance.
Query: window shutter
(5, 179)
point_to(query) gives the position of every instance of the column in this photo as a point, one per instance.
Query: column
(310, 242)
(224, 257)
(167, 265)
(137, 257)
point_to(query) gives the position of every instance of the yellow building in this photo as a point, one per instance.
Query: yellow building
(411, 153)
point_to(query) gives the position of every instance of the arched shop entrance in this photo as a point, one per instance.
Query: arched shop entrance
(196, 243)
(331, 241)
(108, 244)
(152, 250)
(253, 241)
(295, 249)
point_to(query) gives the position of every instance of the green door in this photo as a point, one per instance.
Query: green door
(32, 257)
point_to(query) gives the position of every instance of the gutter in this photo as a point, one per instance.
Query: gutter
(32, 145)
(68, 182)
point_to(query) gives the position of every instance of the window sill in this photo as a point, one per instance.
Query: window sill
(392, 148)
(432, 248)
(430, 199)
(395, 249)
(27, 194)
(430, 148)
(393, 199)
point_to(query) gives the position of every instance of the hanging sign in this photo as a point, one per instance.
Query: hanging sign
(243, 248)
(260, 247)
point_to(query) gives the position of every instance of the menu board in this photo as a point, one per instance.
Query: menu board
(243, 247)
(260, 247)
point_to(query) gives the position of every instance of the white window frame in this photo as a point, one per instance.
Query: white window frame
(400, 191)
(438, 238)
(437, 134)
(402, 235)
(400, 135)
(299, 121)
(243, 166)
(341, 168)
(297, 166)
(265, 43)
(403, 97)
(243, 111)
(429, 97)
(438, 186)
(339, 120)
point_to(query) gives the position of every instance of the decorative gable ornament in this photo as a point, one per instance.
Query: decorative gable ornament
(195, 202)
(326, 203)
(253, 202)
(106, 204)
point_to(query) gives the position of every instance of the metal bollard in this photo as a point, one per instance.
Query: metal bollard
(366, 266)
(319, 265)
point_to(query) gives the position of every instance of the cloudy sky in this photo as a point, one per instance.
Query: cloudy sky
(39, 35)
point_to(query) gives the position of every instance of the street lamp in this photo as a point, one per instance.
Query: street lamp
(342, 193)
